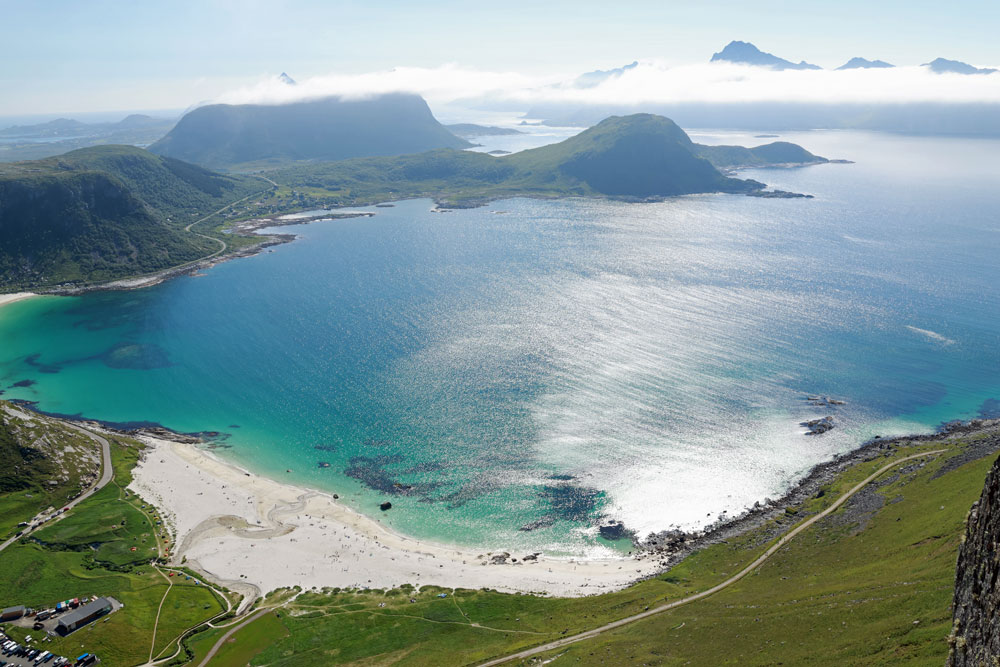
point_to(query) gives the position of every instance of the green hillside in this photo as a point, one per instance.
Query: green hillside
(776, 153)
(631, 157)
(104, 212)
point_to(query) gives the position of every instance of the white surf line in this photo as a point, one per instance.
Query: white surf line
(718, 587)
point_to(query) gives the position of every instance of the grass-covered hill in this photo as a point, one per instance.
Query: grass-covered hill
(634, 157)
(227, 136)
(104, 212)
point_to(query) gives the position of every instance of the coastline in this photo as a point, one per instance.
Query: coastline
(235, 526)
(246, 228)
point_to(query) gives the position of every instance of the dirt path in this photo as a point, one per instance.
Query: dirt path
(225, 637)
(715, 589)
(156, 623)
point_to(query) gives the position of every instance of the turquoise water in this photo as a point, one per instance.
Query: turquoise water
(549, 365)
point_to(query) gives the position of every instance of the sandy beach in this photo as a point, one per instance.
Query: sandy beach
(246, 529)
(6, 299)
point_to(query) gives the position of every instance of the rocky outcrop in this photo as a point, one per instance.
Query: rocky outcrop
(975, 637)
(819, 426)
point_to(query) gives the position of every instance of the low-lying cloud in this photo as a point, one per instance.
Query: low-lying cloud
(650, 82)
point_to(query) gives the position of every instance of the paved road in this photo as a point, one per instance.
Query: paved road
(107, 472)
(715, 589)
(225, 637)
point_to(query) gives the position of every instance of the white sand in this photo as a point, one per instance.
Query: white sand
(16, 296)
(238, 527)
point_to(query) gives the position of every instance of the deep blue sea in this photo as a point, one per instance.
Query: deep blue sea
(511, 376)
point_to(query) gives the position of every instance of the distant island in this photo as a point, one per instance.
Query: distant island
(247, 136)
(55, 137)
(111, 212)
(469, 130)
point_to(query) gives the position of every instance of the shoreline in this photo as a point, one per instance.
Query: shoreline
(233, 525)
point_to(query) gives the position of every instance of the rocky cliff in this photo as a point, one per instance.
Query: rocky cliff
(975, 638)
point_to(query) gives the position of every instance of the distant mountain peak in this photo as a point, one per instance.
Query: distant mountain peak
(864, 63)
(284, 78)
(746, 53)
(945, 66)
(599, 76)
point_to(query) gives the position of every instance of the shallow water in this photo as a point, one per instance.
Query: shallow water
(544, 364)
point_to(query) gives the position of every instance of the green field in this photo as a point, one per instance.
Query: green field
(870, 584)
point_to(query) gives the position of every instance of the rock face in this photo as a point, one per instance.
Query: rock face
(975, 638)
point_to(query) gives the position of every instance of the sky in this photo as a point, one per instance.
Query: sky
(64, 57)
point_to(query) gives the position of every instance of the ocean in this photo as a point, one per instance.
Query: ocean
(517, 375)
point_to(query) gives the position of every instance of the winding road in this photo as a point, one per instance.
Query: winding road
(107, 472)
(559, 643)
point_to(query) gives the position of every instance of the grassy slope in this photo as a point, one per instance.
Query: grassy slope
(105, 212)
(840, 593)
(68, 564)
(27, 467)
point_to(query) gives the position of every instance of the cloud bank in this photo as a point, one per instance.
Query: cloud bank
(650, 82)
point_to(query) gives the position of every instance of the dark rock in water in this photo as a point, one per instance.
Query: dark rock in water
(824, 401)
(777, 194)
(385, 506)
(135, 356)
(572, 503)
(384, 205)
(990, 409)
(544, 522)
(323, 464)
(562, 478)
(975, 635)
(613, 531)
(336, 496)
(212, 436)
(819, 426)
(32, 360)
(24, 383)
